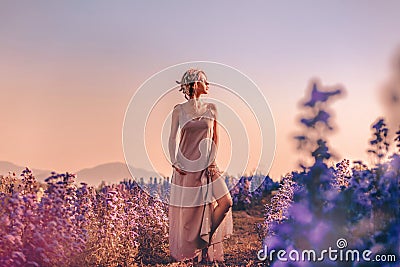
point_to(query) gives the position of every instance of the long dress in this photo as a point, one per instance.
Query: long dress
(193, 196)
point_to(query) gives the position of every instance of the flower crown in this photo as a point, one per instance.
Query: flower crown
(190, 76)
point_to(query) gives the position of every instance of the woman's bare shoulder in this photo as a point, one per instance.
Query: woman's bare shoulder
(178, 106)
(175, 111)
(212, 106)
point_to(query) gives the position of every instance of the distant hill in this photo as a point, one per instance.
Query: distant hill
(6, 166)
(113, 172)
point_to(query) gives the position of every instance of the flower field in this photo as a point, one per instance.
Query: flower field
(61, 223)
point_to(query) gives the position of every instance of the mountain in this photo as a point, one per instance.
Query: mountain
(6, 167)
(113, 172)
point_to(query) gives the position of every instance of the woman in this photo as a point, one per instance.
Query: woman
(200, 204)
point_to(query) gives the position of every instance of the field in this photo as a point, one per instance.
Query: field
(71, 225)
(242, 247)
(341, 207)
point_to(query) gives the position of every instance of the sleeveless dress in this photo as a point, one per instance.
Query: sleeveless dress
(193, 196)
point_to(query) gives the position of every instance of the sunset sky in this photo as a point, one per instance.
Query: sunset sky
(68, 69)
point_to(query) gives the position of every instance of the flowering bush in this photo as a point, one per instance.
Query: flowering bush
(277, 210)
(66, 225)
(245, 193)
(39, 232)
(359, 204)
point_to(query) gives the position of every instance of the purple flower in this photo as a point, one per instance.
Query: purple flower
(301, 213)
(320, 96)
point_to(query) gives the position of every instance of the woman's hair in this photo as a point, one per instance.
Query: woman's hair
(189, 92)
(187, 82)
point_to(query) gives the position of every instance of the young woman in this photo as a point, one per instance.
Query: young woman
(200, 204)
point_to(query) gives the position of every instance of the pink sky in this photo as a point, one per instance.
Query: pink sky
(68, 69)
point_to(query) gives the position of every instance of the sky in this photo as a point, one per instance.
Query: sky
(69, 69)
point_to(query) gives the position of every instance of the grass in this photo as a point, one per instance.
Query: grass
(242, 247)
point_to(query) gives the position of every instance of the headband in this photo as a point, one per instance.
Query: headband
(190, 76)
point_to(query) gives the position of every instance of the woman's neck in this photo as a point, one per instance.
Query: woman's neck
(195, 102)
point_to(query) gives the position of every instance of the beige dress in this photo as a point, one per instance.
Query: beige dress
(193, 196)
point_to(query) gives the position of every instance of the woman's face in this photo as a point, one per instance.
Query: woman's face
(202, 85)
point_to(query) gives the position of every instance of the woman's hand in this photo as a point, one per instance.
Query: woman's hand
(212, 169)
(178, 168)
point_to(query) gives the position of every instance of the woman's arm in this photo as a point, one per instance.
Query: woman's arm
(172, 139)
(172, 135)
(215, 133)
